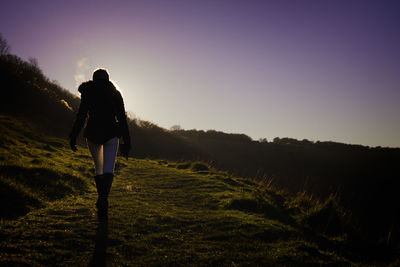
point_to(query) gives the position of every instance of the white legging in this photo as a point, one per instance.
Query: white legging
(104, 155)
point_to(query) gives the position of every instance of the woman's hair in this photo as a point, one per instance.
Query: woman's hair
(100, 74)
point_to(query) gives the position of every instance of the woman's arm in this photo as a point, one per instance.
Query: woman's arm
(121, 116)
(79, 121)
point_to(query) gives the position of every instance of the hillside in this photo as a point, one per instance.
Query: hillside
(162, 213)
(31, 95)
(363, 180)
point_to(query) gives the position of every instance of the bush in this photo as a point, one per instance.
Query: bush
(185, 165)
(199, 166)
(328, 217)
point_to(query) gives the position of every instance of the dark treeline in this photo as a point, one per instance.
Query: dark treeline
(366, 180)
(27, 92)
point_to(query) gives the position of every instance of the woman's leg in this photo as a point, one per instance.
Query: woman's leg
(109, 155)
(97, 154)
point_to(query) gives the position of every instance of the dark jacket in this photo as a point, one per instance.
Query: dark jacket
(105, 107)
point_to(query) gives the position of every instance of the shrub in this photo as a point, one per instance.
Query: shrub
(185, 165)
(328, 217)
(199, 166)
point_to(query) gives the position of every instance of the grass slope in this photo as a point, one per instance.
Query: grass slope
(161, 213)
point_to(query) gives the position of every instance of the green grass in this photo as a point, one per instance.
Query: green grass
(161, 213)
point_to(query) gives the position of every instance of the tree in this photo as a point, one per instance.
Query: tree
(175, 128)
(35, 65)
(34, 62)
(277, 140)
(4, 47)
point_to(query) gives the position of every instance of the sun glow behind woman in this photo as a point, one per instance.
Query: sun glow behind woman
(117, 87)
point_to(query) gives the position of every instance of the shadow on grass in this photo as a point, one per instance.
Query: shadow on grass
(99, 257)
(25, 188)
(14, 202)
(228, 180)
(261, 207)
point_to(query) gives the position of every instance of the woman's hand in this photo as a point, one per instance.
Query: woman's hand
(124, 149)
(72, 143)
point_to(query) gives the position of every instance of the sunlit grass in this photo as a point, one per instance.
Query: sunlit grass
(161, 213)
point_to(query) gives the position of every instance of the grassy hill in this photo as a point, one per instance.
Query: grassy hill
(187, 212)
(364, 179)
(162, 213)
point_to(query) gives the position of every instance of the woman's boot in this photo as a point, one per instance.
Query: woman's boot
(103, 184)
(98, 180)
(108, 179)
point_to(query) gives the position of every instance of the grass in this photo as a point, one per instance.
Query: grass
(161, 213)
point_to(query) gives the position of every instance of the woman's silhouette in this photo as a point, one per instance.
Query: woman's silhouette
(103, 103)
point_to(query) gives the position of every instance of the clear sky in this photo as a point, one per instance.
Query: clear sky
(321, 70)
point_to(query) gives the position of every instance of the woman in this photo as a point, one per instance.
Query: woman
(106, 124)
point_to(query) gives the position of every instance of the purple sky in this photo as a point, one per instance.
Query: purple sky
(321, 70)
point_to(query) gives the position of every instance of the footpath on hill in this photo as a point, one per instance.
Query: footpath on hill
(160, 214)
